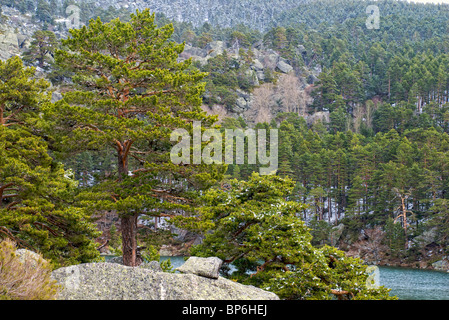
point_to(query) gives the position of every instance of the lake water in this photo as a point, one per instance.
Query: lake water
(415, 284)
(405, 283)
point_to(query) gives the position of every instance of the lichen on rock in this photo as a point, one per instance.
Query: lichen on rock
(112, 281)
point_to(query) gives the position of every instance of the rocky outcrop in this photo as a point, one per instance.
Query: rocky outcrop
(335, 234)
(427, 238)
(323, 116)
(441, 265)
(16, 30)
(9, 44)
(212, 50)
(112, 281)
(284, 67)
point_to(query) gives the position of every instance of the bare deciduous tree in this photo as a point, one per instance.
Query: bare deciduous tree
(292, 96)
(218, 110)
(369, 245)
(262, 103)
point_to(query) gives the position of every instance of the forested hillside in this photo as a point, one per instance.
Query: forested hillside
(377, 161)
(362, 114)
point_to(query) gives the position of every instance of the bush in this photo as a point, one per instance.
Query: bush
(26, 278)
(152, 254)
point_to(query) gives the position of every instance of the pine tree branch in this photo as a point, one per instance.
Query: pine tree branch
(52, 231)
(9, 234)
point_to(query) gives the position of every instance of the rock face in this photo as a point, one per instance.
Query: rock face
(322, 116)
(112, 281)
(16, 30)
(9, 44)
(335, 234)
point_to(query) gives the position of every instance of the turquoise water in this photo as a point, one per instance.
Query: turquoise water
(405, 283)
(415, 284)
(175, 261)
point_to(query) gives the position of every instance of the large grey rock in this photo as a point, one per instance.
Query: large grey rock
(260, 75)
(22, 41)
(257, 65)
(9, 38)
(322, 116)
(28, 257)
(111, 281)
(426, 238)
(441, 265)
(194, 51)
(311, 79)
(56, 96)
(240, 105)
(205, 267)
(272, 58)
(215, 48)
(9, 44)
(252, 76)
(301, 49)
(284, 67)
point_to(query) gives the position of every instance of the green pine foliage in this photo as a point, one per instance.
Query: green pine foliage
(379, 162)
(37, 193)
(364, 182)
(129, 94)
(252, 226)
(41, 50)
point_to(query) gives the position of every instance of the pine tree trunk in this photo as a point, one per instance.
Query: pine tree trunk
(128, 222)
(122, 165)
(129, 241)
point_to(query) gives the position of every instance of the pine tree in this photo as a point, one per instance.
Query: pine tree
(326, 92)
(285, 152)
(36, 193)
(36, 208)
(42, 48)
(130, 94)
(251, 225)
(43, 11)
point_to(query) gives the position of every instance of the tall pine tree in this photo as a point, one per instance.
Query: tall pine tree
(130, 93)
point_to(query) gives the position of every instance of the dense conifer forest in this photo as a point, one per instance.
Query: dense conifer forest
(367, 183)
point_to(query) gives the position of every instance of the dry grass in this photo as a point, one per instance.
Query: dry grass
(24, 279)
